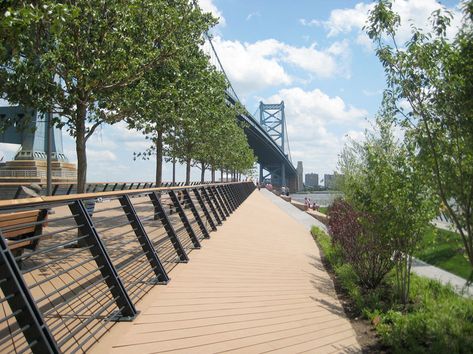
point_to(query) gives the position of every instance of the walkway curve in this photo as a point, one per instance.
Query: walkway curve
(257, 286)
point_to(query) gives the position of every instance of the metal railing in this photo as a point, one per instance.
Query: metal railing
(13, 190)
(71, 266)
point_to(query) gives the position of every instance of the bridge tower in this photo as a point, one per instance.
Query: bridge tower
(28, 128)
(273, 120)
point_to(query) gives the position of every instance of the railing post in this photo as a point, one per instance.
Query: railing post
(211, 205)
(245, 192)
(197, 217)
(56, 187)
(184, 219)
(242, 192)
(227, 196)
(161, 213)
(108, 271)
(217, 203)
(231, 190)
(216, 190)
(22, 304)
(204, 208)
(224, 199)
(143, 240)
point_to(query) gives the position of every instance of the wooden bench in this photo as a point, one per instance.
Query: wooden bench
(22, 225)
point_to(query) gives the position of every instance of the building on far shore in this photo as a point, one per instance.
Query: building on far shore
(300, 175)
(331, 181)
(311, 180)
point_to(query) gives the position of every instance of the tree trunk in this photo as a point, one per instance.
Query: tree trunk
(173, 171)
(213, 174)
(221, 175)
(159, 159)
(188, 172)
(202, 173)
(81, 149)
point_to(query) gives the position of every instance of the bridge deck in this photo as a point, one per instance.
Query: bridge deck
(257, 285)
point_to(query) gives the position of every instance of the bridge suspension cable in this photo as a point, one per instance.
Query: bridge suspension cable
(220, 66)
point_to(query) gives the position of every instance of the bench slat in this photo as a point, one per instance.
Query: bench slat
(17, 219)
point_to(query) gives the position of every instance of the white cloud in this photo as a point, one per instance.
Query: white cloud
(404, 105)
(4, 102)
(258, 65)
(316, 124)
(251, 67)
(412, 12)
(354, 135)
(323, 63)
(253, 15)
(8, 151)
(100, 156)
(346, 20)
(370, 93)
(316, 107)
(138, 146)
(309, 23)
(209, 6)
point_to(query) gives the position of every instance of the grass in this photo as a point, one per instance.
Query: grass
(323, 210)
(444, 249)
(436, 320)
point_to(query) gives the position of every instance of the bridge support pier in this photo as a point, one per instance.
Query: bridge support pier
(283, 175)
(276, 175)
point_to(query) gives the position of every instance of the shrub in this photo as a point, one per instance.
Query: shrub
(361, 247)
(437, 320)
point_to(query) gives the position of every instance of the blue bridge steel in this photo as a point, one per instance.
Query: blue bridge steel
(270, 155)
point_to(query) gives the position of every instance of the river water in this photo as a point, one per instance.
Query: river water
(323, 199)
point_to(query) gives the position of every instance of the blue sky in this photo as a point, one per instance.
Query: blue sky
(310, 53)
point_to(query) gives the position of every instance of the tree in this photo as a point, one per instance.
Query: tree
(152, 104)
(384, 184)
(73, 65)
(434, 74)
(206, 131)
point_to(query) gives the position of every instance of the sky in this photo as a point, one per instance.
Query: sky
(311, 54)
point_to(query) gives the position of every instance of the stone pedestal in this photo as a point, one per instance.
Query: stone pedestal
(34, 171)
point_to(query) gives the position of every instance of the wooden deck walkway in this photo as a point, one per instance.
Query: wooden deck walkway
(256, 286)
